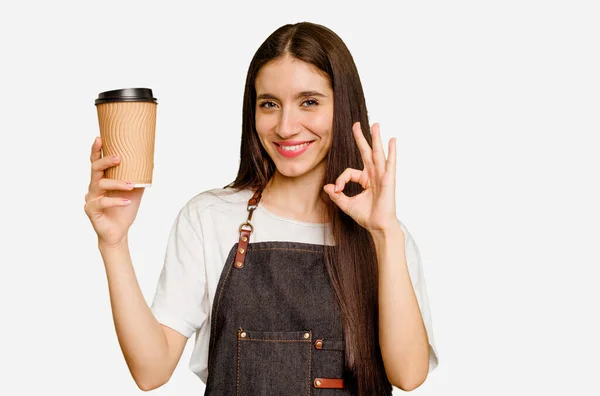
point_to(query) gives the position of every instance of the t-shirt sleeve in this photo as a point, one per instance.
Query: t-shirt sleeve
(415, 269)
(179, 301)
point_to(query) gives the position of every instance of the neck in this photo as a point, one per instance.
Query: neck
(299, 198)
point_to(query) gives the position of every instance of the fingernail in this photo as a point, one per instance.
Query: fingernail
(115, 157)
(129, 184)
(336, 188)
(126, 201)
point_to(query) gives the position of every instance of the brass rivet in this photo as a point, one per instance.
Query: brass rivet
(306, 335)
(241, 250)
(243, 335)
(318, 383)
(319, 343)
(239, 264)
(244, 239)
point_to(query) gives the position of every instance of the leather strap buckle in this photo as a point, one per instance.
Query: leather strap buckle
(248, 224)
(246, 229)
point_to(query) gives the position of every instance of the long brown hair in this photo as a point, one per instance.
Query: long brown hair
(352, 262)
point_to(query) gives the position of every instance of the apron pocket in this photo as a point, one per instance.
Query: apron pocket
(273, 363)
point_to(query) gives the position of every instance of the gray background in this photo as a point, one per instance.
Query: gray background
(495, 108)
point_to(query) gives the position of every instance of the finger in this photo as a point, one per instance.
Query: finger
(96, 149)
(390, 165)
(348, 175)
(100, 165)
(103, 185)
(105, 163)
(339, 198)
(365, 150)
(378, 153)
(103, 203)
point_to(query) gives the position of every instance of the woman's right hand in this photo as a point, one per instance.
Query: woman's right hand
(106, 202)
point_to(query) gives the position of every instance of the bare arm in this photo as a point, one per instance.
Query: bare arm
(151, 350)
(402, 335)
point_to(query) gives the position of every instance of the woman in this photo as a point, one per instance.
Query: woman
(297, 277)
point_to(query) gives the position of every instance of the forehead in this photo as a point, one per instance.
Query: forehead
(290, 75)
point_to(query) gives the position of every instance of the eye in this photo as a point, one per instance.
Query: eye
(267, 104)
(310, 103)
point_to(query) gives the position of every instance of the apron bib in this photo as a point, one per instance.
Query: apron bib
(276, 327)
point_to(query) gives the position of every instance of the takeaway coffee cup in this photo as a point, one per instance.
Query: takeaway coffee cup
(127, 120)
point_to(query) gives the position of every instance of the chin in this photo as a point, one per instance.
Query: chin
(293, 171)
(298, 169)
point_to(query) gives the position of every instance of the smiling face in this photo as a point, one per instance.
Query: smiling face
(294, 115)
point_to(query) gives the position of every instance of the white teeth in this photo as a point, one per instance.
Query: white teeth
(294, 148)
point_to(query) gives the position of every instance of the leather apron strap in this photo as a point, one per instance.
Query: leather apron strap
(246, 229)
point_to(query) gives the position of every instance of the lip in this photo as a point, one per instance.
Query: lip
(292, 142)
(291, 154)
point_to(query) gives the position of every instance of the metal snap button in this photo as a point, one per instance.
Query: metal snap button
(244, 239)
(241, 250)
(317, 383)
(306, 335)
(319, 344)
(239, 264)
(243, 335)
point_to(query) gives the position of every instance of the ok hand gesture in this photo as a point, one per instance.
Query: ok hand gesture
(375, 207)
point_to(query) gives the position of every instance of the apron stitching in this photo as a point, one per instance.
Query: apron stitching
(259, 340)
(309, 361)
(295, 249)
(238, 371)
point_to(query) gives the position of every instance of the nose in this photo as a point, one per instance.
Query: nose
(288, 124)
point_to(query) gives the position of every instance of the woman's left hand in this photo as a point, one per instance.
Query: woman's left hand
(375, 207)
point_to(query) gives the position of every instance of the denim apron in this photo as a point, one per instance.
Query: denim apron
(276, 327)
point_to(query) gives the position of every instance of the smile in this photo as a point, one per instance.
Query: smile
(292, 151)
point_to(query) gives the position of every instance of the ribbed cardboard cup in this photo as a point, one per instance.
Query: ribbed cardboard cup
(127, 120)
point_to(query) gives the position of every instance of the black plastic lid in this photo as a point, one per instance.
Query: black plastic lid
(126, 95)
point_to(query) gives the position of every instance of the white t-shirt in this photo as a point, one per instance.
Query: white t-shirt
(201, 238)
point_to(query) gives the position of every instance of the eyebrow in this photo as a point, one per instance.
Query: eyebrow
(299, 95)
